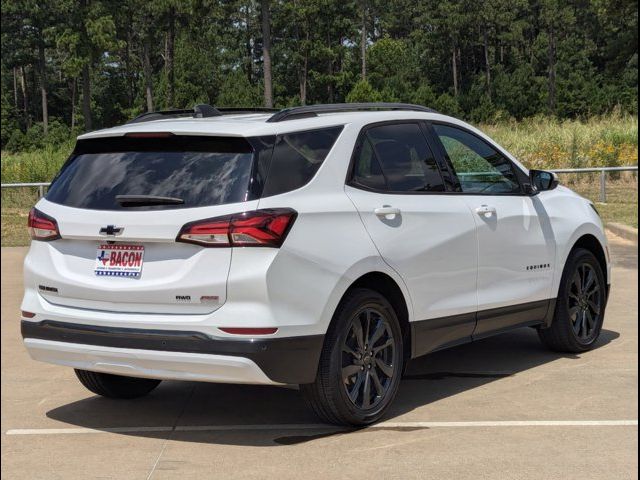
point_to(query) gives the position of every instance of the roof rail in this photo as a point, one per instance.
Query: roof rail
(307, 111)
(232, 110)
(198, 111)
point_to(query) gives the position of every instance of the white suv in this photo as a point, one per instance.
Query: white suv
(323, 246)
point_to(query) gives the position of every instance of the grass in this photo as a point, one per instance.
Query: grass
(539, 142)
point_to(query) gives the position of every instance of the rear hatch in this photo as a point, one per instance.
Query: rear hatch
(120, 203)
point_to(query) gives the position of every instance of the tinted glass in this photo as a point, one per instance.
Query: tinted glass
(396, 158)
(297, 157)
(101, 170)
(479, 167)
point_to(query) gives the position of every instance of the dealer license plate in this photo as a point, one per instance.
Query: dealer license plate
(119, 260)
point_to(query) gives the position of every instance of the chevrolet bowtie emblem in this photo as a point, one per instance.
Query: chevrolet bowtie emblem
(111, 230)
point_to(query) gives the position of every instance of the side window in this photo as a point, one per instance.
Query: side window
(396, 158)
(296, 159)
(479, 167)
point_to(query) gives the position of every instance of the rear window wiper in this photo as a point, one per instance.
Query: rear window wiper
(146, 200)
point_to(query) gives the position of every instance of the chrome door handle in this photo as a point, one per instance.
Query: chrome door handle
(386, 210)
(486, 211)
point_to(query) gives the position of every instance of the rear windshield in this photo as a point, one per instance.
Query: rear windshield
(200, 171)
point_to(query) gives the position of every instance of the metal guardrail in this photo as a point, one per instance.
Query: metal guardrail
(603, 175)
(603, 179)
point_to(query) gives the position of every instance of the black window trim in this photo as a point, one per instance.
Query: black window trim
(520, 175)
(350, 180)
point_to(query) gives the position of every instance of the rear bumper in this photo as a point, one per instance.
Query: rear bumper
(173, 354)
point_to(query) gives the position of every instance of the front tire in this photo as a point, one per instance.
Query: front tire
(580, 306)
(116, 386)
(361, 362)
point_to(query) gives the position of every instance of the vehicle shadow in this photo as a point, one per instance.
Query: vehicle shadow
(193, 404)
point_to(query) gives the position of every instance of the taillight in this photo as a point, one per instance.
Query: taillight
(42, 226)
(260, 228)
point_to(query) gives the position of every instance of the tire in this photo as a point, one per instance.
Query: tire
(580, 306)
(371, 381)
(116, 386)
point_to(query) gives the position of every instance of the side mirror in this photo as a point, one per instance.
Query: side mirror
(543, 180)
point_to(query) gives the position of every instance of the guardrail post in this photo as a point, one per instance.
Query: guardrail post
(603, 186)
(40, 191)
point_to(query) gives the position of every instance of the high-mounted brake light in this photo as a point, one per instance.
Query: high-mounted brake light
(260, 228)
(148, 134)
(42, 226)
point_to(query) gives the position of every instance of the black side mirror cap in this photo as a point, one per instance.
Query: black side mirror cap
(542, 180)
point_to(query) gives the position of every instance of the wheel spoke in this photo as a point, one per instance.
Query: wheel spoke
(574, 316)
(594, 306)
(357, 331)
(366, 391)
(591, 323)
(386, 369)
(349, 371)
(355, 391)
(591, 278)
(367, 316)
(379, 348)
(577, 283)
(377, 333)
(584, 325)
(376, 382)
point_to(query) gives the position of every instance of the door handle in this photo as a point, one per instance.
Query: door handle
(486, 211)
(386, 210)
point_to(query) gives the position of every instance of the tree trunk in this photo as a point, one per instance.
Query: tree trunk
(25, 96)
(146, 66)
(15, 88)
(86, 97)
(171, 36)
(73, 102)
(454, 66)
(266, 54)
(552, 71)
(303, 78)
(330, 73)
(43, 87)
(248, 46)
(127, 63)
(363, 40)
(487, 63)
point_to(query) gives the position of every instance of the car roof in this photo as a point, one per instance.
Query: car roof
(255, 124)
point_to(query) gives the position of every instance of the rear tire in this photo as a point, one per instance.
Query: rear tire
(580, 306)
(116, 386)
(361, 362)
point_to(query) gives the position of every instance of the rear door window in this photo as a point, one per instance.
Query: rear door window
(201, 171)
(396, 158)
(297, 157)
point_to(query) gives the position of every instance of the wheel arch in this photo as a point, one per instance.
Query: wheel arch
(386, 286)
(591, 243)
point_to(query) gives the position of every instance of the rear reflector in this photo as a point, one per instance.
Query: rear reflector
(249, 331)
(42, 226)
(260, 228)
(26, 314)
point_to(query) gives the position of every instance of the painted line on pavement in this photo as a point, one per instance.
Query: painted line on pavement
(311, 426)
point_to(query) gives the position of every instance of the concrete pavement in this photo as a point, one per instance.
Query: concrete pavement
(568, 409)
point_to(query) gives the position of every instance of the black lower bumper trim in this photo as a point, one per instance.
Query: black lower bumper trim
(292, 360)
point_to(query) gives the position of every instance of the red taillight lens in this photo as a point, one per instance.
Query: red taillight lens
(42, 226)
(261, 228)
